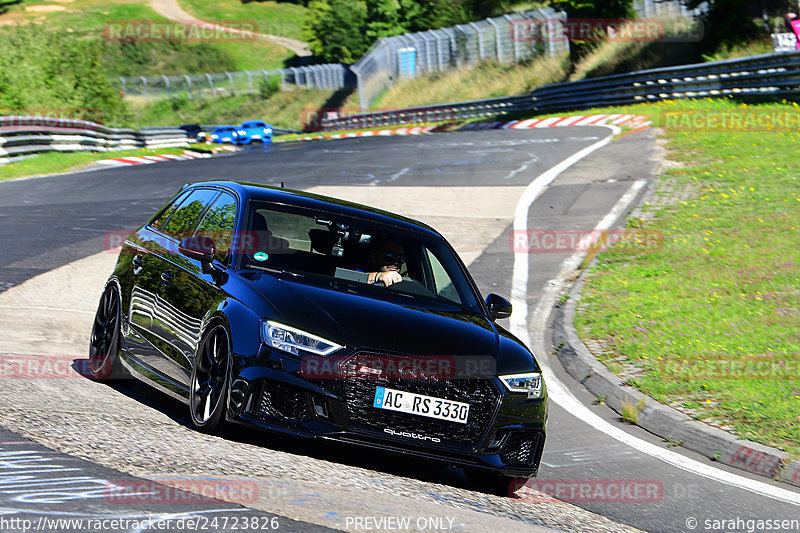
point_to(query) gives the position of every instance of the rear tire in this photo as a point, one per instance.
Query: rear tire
(209, 383)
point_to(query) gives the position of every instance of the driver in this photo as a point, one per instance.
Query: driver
(385, 260)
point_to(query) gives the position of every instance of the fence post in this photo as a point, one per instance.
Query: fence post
(515, 36)
(188, 86)
(362, 97)
(283, 79)
(144, 83)
(439, 53)
(498, 40)
(249, 80)
(230, 81)
(124, 86)
(481, 52)
(166, 83)
(211, 85)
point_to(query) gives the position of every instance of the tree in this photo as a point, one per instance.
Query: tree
(383, 19)
(334, 30)
(593, 10)
(727, 22)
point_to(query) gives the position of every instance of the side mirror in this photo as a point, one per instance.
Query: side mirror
(199, 248)
(498, 306)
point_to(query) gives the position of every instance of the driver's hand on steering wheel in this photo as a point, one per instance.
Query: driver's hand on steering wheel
(387, 278)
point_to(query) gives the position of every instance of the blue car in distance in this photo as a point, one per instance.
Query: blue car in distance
(224, 134)
(254, 130)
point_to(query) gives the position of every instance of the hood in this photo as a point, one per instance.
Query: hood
(392, 323)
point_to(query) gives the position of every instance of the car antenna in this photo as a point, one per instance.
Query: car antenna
(282, 187)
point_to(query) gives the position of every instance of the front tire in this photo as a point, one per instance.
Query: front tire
(104, 344)
(209, 383)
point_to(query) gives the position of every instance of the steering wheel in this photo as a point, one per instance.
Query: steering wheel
(412, 286)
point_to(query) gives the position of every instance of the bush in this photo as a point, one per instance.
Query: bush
(58, 71)
(268, 88)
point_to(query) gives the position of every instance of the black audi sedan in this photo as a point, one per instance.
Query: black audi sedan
(317, 317)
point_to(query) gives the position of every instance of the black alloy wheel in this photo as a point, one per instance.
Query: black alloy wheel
(209, 386)
(104, 362)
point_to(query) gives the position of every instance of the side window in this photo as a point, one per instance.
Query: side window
(219, 223)
(184, 219)
(159, 221)
(444, 285)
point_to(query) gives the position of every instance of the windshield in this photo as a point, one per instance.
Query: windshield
(347, 253)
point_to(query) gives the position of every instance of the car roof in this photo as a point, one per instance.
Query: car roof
(253, 191)
(225, 128)
(254, 123)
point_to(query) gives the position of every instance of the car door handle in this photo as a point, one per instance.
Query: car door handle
(166, 277)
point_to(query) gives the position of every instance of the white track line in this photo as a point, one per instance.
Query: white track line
(557, 391)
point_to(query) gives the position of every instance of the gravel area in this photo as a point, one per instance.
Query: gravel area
(142, 433)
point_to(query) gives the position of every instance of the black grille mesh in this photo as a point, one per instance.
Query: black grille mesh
(282, 401)
(521, 448)
(480, 394)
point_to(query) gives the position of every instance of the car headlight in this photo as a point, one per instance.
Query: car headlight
(267, 131)
(292, 340)
(241, 132)
(530, 383)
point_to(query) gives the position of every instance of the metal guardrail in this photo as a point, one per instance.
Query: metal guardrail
(769, 75)
(764, 75)
(433, 113)
(22, 136)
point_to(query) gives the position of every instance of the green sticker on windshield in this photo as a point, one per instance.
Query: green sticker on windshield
(260, 256)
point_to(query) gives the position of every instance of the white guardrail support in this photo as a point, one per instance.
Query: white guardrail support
(25, 135)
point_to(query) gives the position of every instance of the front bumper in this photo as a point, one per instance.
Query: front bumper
(506, 433)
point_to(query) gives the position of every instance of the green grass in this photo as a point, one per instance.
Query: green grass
(274, 18)
(721, 294)
(487, 80)
(55, 162)
(90, 17)
(86, 16)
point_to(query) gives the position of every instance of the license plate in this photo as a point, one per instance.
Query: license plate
(419, 404)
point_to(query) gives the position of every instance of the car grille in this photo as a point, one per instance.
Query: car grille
(521, 448)
(281, 401)
(480, 394)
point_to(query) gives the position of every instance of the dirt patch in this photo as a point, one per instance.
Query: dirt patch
(44, 9)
